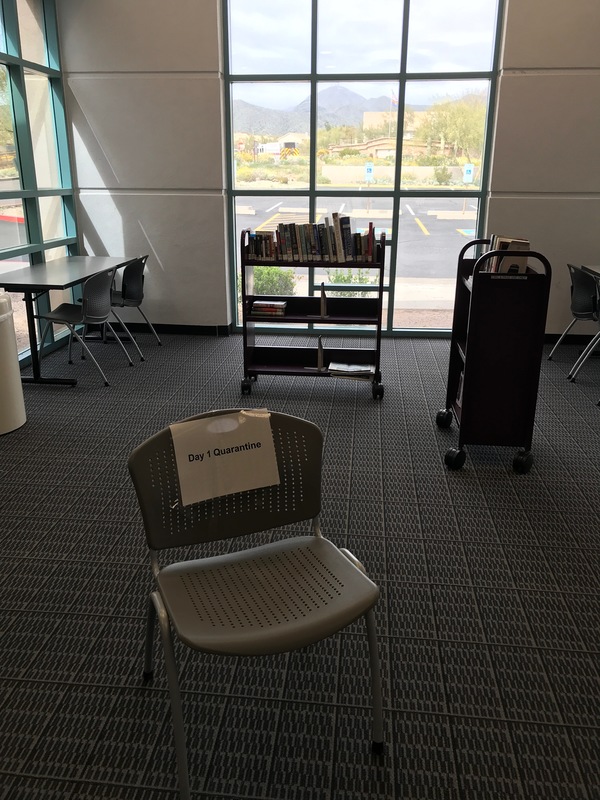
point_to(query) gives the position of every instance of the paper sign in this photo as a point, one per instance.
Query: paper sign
(224, 454)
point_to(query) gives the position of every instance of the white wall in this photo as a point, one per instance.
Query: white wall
(545, 178)
(143, 94)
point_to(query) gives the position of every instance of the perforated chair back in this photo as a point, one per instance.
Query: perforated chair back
(96, 304)
(132, 286)
(583, 294)
(152, 465)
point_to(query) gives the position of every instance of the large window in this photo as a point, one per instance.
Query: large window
(36, 198)
(380, 111)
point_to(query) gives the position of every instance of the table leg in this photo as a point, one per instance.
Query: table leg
(35, 359)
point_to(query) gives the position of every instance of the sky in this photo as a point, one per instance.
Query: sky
(273, 37)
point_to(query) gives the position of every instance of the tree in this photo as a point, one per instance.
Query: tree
(458, 124)
(7, 134)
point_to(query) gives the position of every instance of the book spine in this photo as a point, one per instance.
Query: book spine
(347, 238)
(327, 227)
(337, 233)
(288, 243)
(323, 242)
(295, 240)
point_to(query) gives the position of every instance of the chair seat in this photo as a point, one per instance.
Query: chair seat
(117, 299)
(271, 599)
(66, 312)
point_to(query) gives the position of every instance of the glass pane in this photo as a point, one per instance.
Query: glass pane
(43, 131)
(9, 173)
(265, 214)
(32, 30)
(350, 41)
(17, 302)
(356, 135)
(451, 37)
(2, 35)
(431, 233)
(12, 226)
(443, 136)
(268, 37)
(271, 138)
(53, 221)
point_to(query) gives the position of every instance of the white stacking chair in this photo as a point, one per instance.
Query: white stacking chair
(272, 598)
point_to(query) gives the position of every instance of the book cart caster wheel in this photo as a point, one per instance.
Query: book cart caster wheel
(377, 390)
(246, 386)
(443, 418)
(454, 458)
(522, 462)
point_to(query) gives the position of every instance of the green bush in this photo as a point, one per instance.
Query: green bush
(442, 175)
(349, 276)
(245, 174)
(274, 280)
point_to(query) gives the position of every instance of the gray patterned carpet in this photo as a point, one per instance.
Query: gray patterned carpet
(489, 617)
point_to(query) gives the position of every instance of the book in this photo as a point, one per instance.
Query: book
(370, 242)
(268, 308)
(347, 238)
(518, 264)
(357, 371)
(514, 264)
(328, 243)
(269, 304)
(337, 235)
(352, 369)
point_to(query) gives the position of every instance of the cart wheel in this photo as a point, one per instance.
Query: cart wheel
(455, 458)
(443, 418)
(246, 386)
(522, 462)
(377, 390)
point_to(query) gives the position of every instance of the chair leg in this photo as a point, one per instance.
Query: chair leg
(377, 744)
(121, 345)
(176, 712)
(89, 352)
(584, 357)
(128, 334)
(149, 325)
(149, 644)
(573, 321)
(44, 332)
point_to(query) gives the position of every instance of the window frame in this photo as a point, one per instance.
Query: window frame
(30, 194)
(397, 194)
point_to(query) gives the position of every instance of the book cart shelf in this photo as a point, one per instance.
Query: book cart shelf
(495, 354)
(308, 310)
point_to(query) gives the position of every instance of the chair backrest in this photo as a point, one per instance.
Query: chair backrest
(583, 294)
(298, 448)
(132, 286)
(96, 305)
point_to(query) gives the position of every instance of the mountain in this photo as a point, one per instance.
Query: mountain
(337, 106)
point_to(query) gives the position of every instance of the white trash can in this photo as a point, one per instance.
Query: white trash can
(12, 403)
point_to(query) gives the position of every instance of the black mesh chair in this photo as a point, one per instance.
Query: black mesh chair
(94, 309)
(595, 341)
(584, 304)
(131, 295)
(270, 598)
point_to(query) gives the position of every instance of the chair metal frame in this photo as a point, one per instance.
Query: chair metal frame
(595, 341)
(584, 305)
(94, 309)
(194, 599)
(131, 295)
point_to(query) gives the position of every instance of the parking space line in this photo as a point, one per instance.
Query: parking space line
(423, 228)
